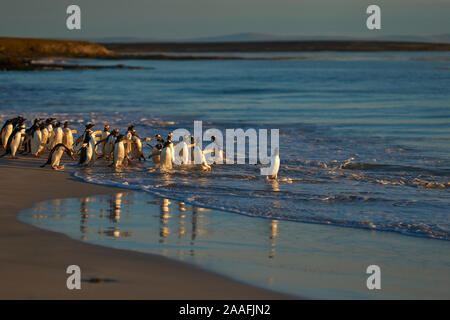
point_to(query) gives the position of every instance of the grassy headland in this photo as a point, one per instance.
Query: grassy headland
(18, 53)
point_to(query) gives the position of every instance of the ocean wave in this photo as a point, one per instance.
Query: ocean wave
(237, 198)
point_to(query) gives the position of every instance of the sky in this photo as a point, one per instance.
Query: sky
(185, 19)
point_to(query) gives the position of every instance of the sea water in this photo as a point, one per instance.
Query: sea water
(364, 137)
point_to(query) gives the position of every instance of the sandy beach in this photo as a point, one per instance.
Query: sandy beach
(33, 261)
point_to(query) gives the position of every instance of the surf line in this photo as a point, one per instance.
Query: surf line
(257, 145)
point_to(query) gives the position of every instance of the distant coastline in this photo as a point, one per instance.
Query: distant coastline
(20, 53)
(276, 46)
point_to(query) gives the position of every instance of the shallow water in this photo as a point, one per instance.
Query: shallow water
(314, 261)
(364, 137)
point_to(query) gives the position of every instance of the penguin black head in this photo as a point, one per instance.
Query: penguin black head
(66, 124)
(134, 133)
(106, 129)
(89, 126)
(130, 128)
(120, 138)
(115, 132)
(57, 124)
(213, 138)
(159, 146)
(159, 138)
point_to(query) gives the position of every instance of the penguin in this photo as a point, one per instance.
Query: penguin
(185, 150)
(170, 144)
(67, 139)
(215, 148)
(44, 135)
(87, 150)
(57, 136)
(166, 157)
(128, 138)
(7, 129)
(55, 155)
(181, 151)
(218, 152)
(119, 152)
(15, 139)
(156, 153)
(50, 133)
(191, 148)
(272, 171)
(108, 148)
(199, 156)
(136, 146)
(35, 137)
(103, 138)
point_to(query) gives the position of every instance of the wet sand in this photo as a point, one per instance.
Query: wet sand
(33, 261)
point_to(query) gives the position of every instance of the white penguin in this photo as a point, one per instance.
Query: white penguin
(7, 129)
(119, 152)
(217, 150)
(170, 145)
(108, 148)
(67, 139)
(128, 139)
(199, 156)
(87, 150)
(166, 157)
(15, 140)
(103, 139)
(55, 155)
(185, 150)
(44, 136)
(136, 146)
(272, 171)
(51, 135)
(156, 153)
(57, 136)
(36, 139)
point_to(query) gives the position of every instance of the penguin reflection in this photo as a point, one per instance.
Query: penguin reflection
(115, 206)
(84, 214)
(164, 220)
(181, 229)
(115, 232)
(273, 237)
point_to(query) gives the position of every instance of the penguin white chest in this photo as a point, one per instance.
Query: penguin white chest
(6, 133)
(166, 158)
(15, 143)
(36, 141)
(68, 138)
(119, 154)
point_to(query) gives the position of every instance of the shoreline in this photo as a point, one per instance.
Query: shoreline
(34, 261)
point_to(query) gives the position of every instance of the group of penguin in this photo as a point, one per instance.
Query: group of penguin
(56, 138)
